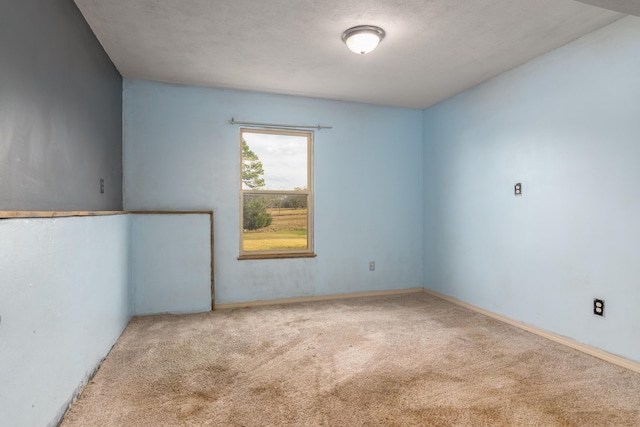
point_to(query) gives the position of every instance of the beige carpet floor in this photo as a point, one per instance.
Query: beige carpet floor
(412, 360)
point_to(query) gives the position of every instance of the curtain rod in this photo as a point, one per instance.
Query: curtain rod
(275, 125)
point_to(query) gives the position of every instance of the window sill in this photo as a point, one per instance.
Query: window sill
(276, 256)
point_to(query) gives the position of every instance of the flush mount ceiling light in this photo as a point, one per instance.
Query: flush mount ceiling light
(363, 38)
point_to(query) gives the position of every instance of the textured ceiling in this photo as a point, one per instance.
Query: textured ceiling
(631, 7)
(433, 48)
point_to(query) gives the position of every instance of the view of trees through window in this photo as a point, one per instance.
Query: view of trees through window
(275, 191)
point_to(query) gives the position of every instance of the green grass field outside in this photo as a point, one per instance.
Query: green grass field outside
(287, 231)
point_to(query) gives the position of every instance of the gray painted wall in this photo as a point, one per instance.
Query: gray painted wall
(60, 111)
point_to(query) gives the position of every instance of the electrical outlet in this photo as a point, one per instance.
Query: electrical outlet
(517, 189)
(372, 266)
(101, 186)
(598, 307)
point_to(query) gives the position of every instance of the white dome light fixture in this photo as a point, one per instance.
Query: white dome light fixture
(363, 38)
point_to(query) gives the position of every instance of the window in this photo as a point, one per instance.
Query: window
(276, 198)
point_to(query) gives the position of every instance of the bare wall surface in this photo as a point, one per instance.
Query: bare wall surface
(60, 111)
(64, 300)
(566, 126)
(68, 287)
(171, 263)
(182, 154)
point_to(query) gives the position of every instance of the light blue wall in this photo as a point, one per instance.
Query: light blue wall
(64, 300)
(68, 288)
(181, 154)
(171, 263)
(566, 125)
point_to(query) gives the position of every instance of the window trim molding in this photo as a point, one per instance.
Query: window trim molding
(290, 253)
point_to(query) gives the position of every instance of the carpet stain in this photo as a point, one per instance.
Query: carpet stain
(387, 361)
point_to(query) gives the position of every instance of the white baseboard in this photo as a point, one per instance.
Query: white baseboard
(318, 298)
(592, 351)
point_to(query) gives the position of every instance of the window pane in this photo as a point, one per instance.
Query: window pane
(282, 162)
(274, 222)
